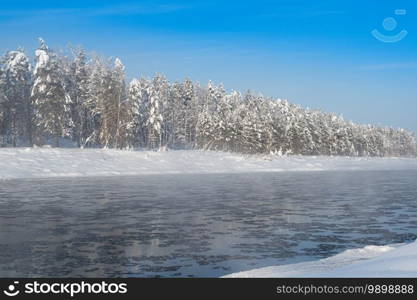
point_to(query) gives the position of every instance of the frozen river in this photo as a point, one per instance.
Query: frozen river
(198, 225)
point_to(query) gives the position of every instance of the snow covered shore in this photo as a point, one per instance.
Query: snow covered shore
(58, 162)
(371, 261)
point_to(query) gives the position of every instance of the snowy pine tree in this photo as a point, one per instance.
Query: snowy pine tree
(135, 125)
(81, 113)
(50, 100)
(17, 84)
(154, 122)
(119, 90)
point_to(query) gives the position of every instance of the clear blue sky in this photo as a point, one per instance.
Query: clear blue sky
(320, 54)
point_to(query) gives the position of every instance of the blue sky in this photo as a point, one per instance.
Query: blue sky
(320, 54)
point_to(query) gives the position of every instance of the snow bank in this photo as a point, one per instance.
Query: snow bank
(54, 162)
(371, 261)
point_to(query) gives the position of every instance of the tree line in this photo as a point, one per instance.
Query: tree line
(85, 99)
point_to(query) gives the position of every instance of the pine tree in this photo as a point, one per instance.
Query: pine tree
(155, 119)
(51, 102)
(17, 83)
(122, 118)
(139, 99)
(81, 113)
(134, 126)
(190, 110)
(96, 91)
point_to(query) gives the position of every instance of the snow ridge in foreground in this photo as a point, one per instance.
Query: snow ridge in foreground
(61, 162)
(397, 260)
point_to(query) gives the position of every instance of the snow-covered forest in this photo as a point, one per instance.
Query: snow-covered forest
(74, 96)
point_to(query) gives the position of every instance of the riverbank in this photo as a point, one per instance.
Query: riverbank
(61, 162)
(370, 261)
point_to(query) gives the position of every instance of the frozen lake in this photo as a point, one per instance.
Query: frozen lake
(198, 225)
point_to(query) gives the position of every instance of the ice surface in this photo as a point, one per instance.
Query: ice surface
(55, 162)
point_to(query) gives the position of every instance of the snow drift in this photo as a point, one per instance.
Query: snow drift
(370, 261)
(58, 162)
